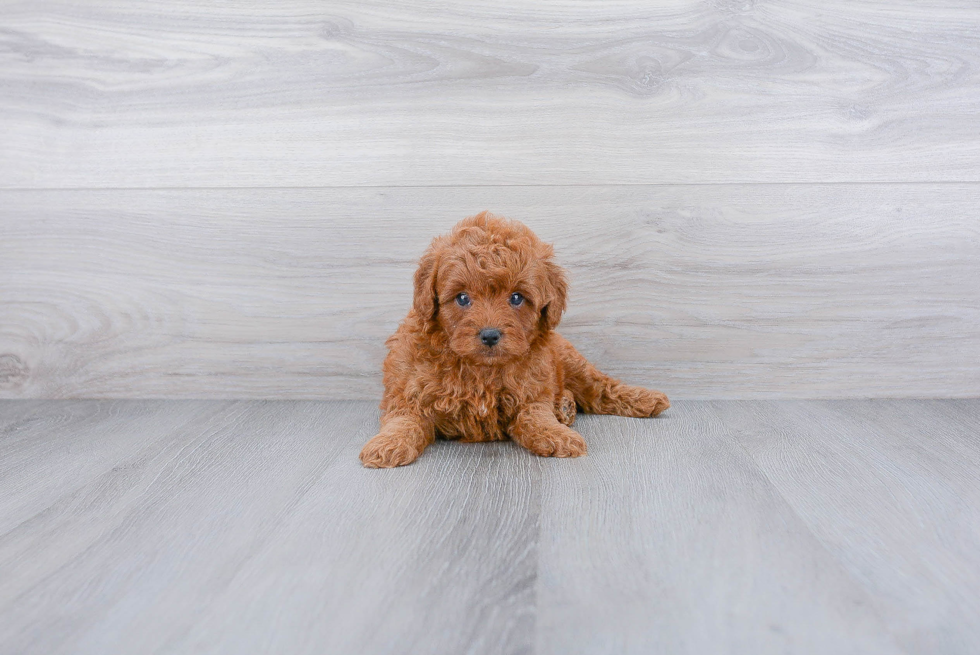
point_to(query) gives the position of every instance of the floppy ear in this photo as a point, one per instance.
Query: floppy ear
(555, 297)
(425, 301)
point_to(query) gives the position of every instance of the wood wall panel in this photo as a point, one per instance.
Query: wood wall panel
(366, 93)
(704, 290)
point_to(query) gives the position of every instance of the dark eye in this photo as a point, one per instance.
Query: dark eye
(463, 300)
(516, 299)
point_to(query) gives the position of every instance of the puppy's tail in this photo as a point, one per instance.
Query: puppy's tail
(597, 393)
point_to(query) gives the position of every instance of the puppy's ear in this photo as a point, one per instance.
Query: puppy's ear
(556, 292)
(425, 301)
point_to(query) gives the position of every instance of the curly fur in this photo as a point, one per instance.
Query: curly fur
(442, 380)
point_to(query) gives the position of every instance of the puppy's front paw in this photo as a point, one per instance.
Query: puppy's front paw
(558, 441)
(388, 451)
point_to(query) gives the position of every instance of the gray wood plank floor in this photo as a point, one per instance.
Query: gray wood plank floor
(724, 526)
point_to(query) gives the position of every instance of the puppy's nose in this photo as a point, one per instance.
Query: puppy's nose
(489, 336)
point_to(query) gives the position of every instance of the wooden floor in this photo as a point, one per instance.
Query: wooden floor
(735, 526)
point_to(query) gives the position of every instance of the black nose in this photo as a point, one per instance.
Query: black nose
(489, 336)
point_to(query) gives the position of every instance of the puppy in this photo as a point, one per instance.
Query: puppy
(478, 359)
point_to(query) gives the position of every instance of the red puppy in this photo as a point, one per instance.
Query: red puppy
(478, 359)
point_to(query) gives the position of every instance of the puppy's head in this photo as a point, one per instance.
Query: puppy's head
(491, 286)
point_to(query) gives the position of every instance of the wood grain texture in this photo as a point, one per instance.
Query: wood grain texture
(668, 539)
(50, 439)
(891, 490)
(302, 93)
(438, 558)
(255, 529)
(743, 527)
(720, 291)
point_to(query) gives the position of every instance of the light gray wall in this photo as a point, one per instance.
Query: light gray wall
(753, 199)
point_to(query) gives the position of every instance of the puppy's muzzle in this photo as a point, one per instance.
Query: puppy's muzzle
(490, 336)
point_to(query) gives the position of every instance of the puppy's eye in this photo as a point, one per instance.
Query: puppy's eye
(463, 300)
(516, 299)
